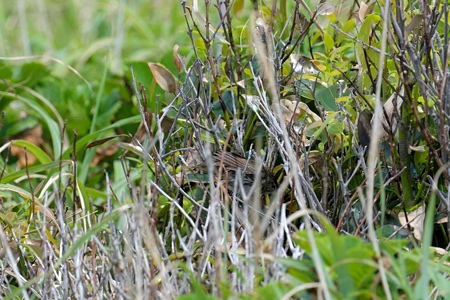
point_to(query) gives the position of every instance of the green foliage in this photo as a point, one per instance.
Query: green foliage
(292, 85)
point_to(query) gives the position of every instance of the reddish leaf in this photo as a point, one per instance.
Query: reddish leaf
(177, 59)
(101, 141)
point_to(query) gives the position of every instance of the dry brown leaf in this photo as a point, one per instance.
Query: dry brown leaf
(102, 153)
(415, 22)
(442, 220)
(241, 83)
(355, 16)
(295, 110)
(231, 241)
(325, 8)
(417, 148)
(364, 10)
(252, 101)
(262, 42)
(179, 177)
(439, 251)
(302, 65)
(177, 58)
(315, 161)
(238, 6)
(388, 114)
(163, 77)
(192, 158)
(102, 141)
(416, 219)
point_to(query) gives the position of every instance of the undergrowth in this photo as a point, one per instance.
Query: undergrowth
(289, 150)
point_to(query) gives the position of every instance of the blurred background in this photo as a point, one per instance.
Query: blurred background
(69, 61)
(66, 64)
(79, 31)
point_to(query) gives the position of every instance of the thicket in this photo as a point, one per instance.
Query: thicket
(290, 150)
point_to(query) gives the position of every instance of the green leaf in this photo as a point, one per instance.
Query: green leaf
(273, 290)
(40, 154)
(365, 29)
(84, 141)
(33, 170)
(283, 10)
(14, 125)
(336, 127)
(140, 70)
(216, 107)
(302, 270)
(316, 134)
(347, 27)
(6, 71)
(12, 188)
(326, 97)
(78, 119)
(31, 73)
(53, 127)
(328, 42)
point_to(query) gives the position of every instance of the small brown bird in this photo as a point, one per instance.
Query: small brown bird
(233, 163)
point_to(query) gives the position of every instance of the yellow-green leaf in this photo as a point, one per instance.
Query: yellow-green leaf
(328, 42)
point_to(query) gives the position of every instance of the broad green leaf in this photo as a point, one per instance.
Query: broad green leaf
(200, 44)
(227, 98)
(53, 127)
(31, 73)
(273, 290)
(336, 127)
(15, 189)
(6, 71)
(35, 150)
(323, 243)
(33, 170)
(302, 270)
(347, 27)
(322, 127)
(283, 10)
(327, 96)
(140, 70)
(35, 249)
(366, 27)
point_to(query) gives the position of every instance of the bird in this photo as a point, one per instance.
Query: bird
(232, 163)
